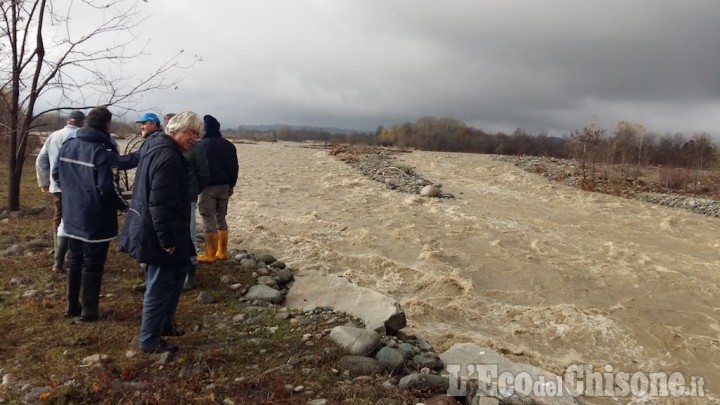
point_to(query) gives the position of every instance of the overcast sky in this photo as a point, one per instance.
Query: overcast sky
(544, 66)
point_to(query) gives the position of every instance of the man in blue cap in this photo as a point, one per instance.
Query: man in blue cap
(149, 124)
(149, 128)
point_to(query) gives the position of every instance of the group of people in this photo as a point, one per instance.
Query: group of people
(80, 165)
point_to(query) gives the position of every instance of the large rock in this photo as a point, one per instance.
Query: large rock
(264, 293)
(425, 382)
(463, 354)
(430, 191)
(379, 312)
(359, 365)
(392, 359)
(355, 341)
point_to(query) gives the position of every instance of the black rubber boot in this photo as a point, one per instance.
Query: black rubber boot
(73, 280)
(190, 278)
(91, 283)
(61, 248)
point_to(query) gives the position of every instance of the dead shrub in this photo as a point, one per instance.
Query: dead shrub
(675, 178)
(540, 168)
(586, 184)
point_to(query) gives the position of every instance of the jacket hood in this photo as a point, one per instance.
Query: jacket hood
(212, 126)
(159, 140)
(95, 135)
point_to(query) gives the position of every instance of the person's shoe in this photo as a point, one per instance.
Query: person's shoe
(139, 288)
(161, 347)
(190, 278)
(89, 316)
(175, 331)
(73, 313)
(90, 287)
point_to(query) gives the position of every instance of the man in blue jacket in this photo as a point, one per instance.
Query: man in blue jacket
(157, 228)
(87, 173)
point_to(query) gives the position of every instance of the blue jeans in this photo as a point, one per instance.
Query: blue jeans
(162, 294)
(193, 206)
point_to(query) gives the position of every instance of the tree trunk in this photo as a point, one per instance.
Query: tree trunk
(13, 200)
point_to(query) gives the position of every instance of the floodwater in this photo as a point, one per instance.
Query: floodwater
(543, 273)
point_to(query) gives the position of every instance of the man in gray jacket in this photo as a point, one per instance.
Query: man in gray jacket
(44, 164)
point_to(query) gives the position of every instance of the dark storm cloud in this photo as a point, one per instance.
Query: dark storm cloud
(498, 65)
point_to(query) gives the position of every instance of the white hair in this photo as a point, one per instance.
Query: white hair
(186, 120)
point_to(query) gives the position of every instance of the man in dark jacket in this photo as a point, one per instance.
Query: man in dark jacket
(157, 228)
(87, 172)
(199, 175)
(213, 202)
(149, 128)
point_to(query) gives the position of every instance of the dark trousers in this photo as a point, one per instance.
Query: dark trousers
(85, 269)
(162, 294)
(87, 257)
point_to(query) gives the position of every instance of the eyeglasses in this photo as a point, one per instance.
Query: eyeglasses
(194, 133)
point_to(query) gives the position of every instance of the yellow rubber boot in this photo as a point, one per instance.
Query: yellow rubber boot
(211, 243)
(222, 245)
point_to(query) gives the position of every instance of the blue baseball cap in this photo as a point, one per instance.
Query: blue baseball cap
(149, 117)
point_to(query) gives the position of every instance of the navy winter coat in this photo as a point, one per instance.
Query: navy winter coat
(131, 160)
(159, 214)
(221, 155)
(87, 173)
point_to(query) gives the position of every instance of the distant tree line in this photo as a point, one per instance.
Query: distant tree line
(627, 144)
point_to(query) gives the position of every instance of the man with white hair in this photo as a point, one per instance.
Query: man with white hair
(44, 164)
(157, 228)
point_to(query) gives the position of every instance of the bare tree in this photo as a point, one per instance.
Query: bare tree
(68, 64)
(628, 143)
(585, 147)
(701, 151)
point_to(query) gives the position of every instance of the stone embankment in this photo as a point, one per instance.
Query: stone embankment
(383, 347)
(380, 164)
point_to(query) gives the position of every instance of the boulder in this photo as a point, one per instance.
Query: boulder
(379, 312)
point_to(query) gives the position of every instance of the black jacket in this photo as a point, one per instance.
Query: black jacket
(221, 155)
(87, 172)
(159, 214)
(198, 170)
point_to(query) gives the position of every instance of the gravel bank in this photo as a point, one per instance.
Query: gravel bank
(566, 172)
